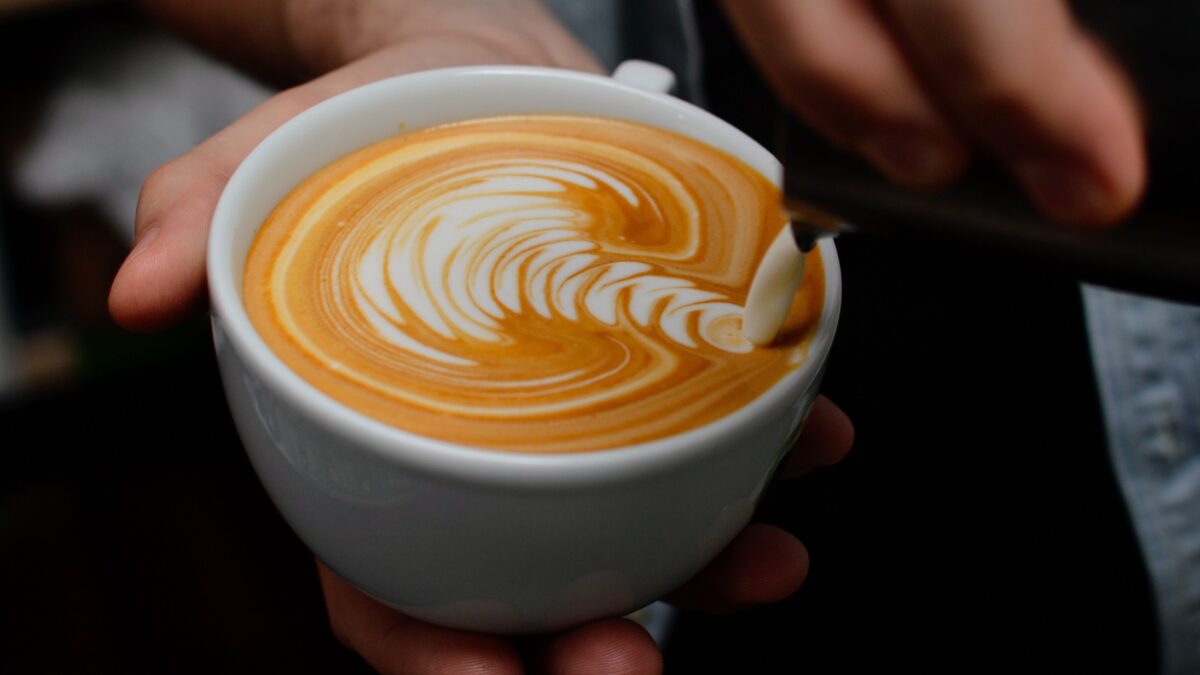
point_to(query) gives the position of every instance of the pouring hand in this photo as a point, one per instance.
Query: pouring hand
(914, 85)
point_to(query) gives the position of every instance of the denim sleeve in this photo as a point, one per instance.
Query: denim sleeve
(1147, 359)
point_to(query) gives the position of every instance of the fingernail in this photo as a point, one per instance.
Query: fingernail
(909, 159)
(143, 242)
(1066, 192)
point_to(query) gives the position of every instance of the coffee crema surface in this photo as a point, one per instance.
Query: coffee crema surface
(538, 283)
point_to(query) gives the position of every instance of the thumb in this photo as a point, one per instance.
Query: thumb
(163, 278)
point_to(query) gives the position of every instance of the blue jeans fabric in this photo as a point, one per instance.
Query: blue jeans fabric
(1147, 358)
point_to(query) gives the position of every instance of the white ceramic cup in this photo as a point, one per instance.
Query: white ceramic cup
(492, 541)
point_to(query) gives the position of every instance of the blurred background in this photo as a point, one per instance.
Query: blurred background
(976, 526)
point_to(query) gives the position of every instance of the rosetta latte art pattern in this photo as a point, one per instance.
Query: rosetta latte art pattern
(544, 284)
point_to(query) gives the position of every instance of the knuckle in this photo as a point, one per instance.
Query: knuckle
(156, 189)
(815, 70)
(822, 92)
(848, 102)
(158, 179)
(1005, 90)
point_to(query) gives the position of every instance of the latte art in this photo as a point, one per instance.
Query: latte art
(486, 243)
(542, 284)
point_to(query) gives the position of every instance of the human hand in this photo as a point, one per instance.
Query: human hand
(763, 564)
(913, 85)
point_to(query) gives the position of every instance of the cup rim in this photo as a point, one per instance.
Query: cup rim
(475, 464)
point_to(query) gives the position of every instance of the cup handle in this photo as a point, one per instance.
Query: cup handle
(645, 75)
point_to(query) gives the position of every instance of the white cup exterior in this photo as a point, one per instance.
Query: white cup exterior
(475, 539)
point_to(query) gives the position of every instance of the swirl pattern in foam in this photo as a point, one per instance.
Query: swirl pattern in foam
(536, 283)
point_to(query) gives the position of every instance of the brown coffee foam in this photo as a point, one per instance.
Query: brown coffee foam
(643, 384)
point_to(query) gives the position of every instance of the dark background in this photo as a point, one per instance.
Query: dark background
(976, 526)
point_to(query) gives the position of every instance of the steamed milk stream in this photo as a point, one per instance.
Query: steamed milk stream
(532, 283)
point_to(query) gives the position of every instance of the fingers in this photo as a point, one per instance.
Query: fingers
(1022, 78)
(605, 647)
(911, 84)
(826, 439)
(835, 63)
(398, 645)
(764, 564)
(395, 644)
